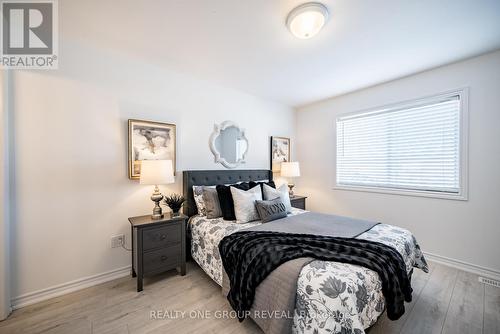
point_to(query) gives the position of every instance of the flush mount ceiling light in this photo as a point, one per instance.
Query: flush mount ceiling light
(306, 20)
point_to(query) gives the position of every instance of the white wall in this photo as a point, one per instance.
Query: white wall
(72, 188)
(466, 231)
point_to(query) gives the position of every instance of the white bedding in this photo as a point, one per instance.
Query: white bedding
(332, 297)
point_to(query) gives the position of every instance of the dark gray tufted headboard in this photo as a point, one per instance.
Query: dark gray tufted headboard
(213, 177)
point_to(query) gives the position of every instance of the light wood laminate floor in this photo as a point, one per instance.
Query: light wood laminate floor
(446, 300)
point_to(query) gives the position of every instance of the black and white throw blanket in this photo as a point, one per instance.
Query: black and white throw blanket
(250, 256)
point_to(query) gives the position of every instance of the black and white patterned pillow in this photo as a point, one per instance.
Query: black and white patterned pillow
(271, 210)
(198, 199)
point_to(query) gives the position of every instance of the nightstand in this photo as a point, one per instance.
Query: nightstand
(298, 202)
(158, 245)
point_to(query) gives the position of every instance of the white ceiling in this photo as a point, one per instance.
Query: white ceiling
(244, 44)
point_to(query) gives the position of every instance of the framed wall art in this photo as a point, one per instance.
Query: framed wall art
(149, 141)
(280, 152)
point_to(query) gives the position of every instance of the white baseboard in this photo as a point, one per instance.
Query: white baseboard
(62, 289)
(82, 283)
(465, 266)
(5, 313)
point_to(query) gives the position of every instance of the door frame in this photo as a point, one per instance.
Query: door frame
(5, 297)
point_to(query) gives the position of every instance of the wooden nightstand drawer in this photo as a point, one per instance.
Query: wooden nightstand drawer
(162, 258)
(158, 245)
(298, 202)
(162, 236)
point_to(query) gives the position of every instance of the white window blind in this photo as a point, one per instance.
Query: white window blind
(415, 147)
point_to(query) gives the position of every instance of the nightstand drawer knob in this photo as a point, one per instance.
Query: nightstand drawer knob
(163, 237)
(164, 257)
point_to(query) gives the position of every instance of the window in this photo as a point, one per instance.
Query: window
(415, 148)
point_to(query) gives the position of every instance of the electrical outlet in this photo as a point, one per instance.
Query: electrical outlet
(117, 240)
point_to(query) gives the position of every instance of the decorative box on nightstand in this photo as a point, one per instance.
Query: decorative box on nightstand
(157, 245)
(298, 202)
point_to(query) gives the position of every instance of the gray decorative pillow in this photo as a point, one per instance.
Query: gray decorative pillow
(244, 203)
(281, 192)
(211, 202)
(271, 210)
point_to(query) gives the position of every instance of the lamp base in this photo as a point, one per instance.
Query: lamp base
(290, 187)
(157, 211)
(156, 216)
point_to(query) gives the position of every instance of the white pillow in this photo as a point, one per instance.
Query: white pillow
(244, 203)
(282, 192)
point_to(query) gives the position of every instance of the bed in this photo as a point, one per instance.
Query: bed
(331, 297)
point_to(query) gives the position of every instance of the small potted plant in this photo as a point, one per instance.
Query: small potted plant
(174, 202)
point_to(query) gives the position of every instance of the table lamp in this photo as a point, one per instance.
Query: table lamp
(290, 170)
(155, 172)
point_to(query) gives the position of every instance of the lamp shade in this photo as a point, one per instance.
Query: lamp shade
(290, 169)
(157, 172)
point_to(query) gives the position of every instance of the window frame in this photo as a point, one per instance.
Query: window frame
(462, 195)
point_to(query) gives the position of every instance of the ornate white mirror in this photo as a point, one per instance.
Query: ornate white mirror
(229, 144)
